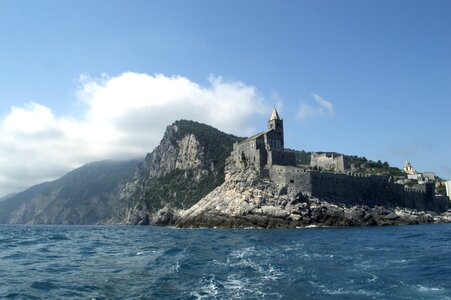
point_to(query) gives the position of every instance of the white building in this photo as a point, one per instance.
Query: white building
(448, 188)
(409, 169)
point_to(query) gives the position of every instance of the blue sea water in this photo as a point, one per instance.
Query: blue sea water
(131, 262)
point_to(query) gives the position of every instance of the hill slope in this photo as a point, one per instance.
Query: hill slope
(86, 195)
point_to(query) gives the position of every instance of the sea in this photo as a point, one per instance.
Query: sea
(146, 262)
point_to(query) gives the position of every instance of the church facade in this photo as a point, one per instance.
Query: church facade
(265, 149)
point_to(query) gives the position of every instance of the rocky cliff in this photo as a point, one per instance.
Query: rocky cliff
(247, 200)
(186, 166)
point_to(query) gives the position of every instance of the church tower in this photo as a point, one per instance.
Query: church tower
(276, 123)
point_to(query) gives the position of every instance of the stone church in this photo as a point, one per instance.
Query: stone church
(265, 149)
(265, 152)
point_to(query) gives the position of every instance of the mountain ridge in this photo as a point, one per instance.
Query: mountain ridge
(60, 201)
(186, 165)
(188, 181)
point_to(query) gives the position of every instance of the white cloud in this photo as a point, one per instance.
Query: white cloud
(125, 117)
(320, 108)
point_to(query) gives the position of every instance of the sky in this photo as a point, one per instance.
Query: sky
(83, 80)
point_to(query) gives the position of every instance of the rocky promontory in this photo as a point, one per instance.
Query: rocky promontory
(187, 165)
(246, 200)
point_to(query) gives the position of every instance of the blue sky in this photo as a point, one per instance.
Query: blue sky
(370, 78)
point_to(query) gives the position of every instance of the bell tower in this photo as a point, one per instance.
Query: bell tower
(276, 123)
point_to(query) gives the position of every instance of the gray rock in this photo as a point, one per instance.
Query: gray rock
(245, 200)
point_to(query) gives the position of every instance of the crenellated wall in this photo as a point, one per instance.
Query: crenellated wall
(354, 189)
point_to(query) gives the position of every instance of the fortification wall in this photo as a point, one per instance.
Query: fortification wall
(351, 189)
(293, 177)
(422, 197)
(355, 189)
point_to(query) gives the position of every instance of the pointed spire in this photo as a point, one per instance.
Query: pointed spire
(274, 115)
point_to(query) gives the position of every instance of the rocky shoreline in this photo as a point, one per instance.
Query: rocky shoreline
(246, 200)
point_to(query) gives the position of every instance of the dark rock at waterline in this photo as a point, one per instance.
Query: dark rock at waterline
(247, 200)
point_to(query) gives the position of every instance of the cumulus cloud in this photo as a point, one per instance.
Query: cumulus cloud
(319, 108)
(125, 117)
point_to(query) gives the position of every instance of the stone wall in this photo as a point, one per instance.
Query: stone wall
(293, 177)
(329, 161)
(350, 189)
(249, 152)
(284, 158)
(354, 189)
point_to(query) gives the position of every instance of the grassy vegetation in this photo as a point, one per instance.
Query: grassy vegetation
(179, 188)
(302, 157)
(365, 166)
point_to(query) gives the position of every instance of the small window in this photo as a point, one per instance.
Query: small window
(291, 181)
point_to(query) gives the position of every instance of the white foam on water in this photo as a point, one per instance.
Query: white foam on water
(238, 287)
(399, 261)
(342, 291)
(359, 292)
(249, 251)
(295, 247)
(175, 268)
(272, 274)
(208, 290)
(373, 278)
(244, 287)
(366, 264)
(426, 289)
(310, 226)
(250, 277)
(315, 256)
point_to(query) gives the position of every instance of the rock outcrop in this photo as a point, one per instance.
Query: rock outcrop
(187, 165)
(247, 200)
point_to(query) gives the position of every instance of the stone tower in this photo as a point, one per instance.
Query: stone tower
(276, 123)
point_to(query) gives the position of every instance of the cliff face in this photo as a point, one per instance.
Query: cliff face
(186, 166)
(246, 200)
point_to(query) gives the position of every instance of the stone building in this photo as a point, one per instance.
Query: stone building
(448, 188)
(408, 169)
(329, 161)
(266, 148)
(331, 181)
